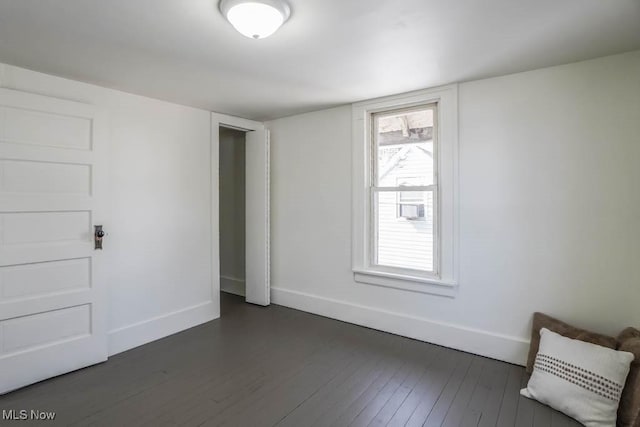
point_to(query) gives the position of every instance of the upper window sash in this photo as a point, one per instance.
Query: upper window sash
(374, 144)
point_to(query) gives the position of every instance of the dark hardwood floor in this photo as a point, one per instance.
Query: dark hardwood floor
(276, 366)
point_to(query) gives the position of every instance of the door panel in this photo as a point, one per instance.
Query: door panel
(17, 176)
(49, 129)
(26, 332)
(21, 228)
(52, 294)
(44, 278)
(257, 280)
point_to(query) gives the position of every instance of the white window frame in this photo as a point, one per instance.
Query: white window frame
(445, 281)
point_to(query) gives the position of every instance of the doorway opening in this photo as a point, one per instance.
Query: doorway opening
(232, 154)
(240, 208)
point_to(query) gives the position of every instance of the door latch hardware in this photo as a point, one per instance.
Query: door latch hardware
(97, 236)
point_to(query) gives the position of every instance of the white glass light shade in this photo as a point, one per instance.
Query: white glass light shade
(255, 19)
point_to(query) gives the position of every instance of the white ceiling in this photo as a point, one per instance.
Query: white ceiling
(330, 52)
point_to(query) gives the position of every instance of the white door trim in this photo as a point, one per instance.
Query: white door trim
(257, 224)
(239, 123)
(217, 121)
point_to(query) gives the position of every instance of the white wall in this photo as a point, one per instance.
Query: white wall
(549, 212)
(232, 211)
(159, 241)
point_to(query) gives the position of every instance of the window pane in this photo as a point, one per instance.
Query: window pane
(404, 148)
(404, 230)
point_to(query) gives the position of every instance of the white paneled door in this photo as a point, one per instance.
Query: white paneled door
(257, 284)
(52, 293)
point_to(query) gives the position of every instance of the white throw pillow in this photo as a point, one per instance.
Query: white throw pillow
(581, 379)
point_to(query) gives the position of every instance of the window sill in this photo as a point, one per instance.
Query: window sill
(423, 285)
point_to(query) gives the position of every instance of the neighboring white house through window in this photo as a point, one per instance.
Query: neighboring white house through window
(405, 191)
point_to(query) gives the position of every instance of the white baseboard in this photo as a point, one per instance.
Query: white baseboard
(232, 285)
(484, 343)
(140, 333)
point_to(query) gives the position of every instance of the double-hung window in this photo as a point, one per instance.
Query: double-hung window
(405, 189)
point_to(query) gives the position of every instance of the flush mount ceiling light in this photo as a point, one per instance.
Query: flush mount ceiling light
(255, 19)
